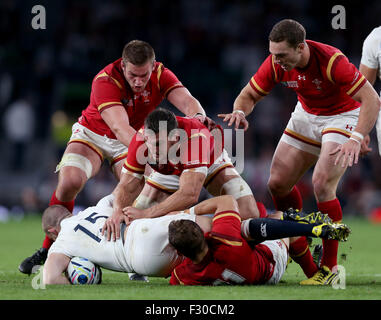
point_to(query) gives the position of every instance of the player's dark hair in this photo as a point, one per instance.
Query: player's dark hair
(53, 215)
(290, 30)
(186, 237)
(153, 120)
(138, 52)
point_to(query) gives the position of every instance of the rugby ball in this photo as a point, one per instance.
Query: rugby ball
(83, 271)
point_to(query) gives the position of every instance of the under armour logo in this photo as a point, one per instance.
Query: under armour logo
(301, 77)
(349, 127)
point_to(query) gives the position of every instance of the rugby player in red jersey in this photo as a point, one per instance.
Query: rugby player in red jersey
(122, 95)
(223, 256)
(184, 156)
(326, 129)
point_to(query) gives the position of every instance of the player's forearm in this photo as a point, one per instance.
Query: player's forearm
(369, 110)
(127, 191)
(124, 134)
(177, 201)
(216, 204)
(244, 102)
(192, 106)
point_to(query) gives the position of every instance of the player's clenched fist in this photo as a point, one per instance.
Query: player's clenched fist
(237, 117)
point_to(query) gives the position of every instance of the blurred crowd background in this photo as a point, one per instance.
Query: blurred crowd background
(214, 47)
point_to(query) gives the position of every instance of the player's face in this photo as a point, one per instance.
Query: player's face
(137, 76)
(285, 55)
(158, 146)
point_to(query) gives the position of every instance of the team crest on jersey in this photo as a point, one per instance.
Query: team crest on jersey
(317, 82)
(290, 84)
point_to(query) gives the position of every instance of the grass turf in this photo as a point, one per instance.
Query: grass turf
(360, 256)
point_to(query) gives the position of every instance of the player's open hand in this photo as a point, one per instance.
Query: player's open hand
(347, 153)
(133, 213)
(112, 225)
(238, 118)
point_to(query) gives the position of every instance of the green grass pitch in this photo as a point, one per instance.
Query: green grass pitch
(360, 256)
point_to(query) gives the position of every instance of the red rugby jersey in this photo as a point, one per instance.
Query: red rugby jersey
(109, 89)
(324, 87)
(230, 260)
(199, 149)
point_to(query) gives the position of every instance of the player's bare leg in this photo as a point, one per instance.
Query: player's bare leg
(228, 181)
(289, 164)
(325, 179)
(72, 179)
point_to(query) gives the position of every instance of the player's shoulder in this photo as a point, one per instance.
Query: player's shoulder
(375, 33)
(323, 51)
(112, 73)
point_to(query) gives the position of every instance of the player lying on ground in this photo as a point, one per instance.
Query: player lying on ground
(143, 247)
(223, 256)
(336, 108)
(184, 156)
(122, 95)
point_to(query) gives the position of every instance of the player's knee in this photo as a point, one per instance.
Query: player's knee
(276, 185)
(322, 186)
(71, 181)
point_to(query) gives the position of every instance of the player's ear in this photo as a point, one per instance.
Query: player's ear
(301, 47)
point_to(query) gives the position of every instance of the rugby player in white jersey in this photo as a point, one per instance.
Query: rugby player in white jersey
(142, 248)
(370, 67)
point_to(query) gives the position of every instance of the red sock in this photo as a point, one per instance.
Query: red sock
(262, 210)
(68, 204)
(292, 200)
(330, 247)
(47, 243)
(301, 254)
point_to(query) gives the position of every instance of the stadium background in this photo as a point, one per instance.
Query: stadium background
(214, 47)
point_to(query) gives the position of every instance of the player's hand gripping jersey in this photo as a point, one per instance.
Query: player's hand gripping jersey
(109, 89)
(324, 87)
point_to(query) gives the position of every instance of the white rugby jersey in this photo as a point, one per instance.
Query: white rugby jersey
(80, 236)
(371, 51)
(146, 249)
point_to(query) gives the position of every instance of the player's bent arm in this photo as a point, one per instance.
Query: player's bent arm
(182, 99)
(216, 204)
(370, 107)
(54, 267)
(117, 120)
(187, 195)
(246, 100)
(127, 190)
(369, 73)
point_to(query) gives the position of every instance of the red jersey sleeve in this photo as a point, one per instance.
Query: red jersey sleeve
(346, 75)
(167, 80)
(137, 155)
(173, 280)
(265, 78)
(227, 228)
(106, 93)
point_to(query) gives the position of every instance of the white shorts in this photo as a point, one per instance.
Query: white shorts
(280, 255)
(147, 248)
(308, 132)
(171, 183)
(111, 149)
